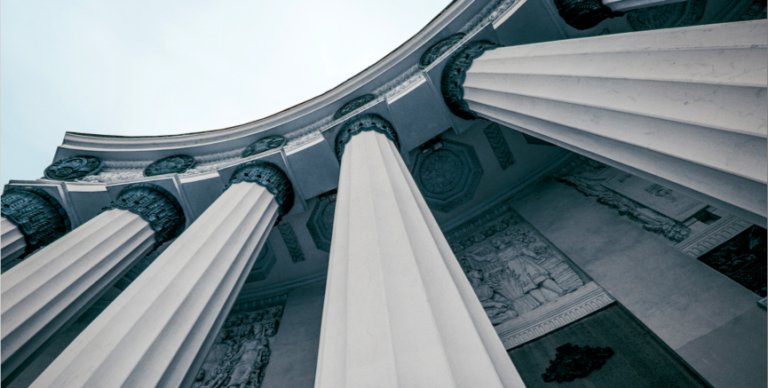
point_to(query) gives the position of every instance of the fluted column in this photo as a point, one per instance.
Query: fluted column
(58, 282)
(153, 333)
(399, 311)
(31, 219)
(684, 107)
(12, 240)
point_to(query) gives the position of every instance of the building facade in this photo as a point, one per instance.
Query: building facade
(525, 193)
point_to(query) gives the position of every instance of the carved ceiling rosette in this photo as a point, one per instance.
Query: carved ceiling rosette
(447, 173)
(170, 165)
(73, 167)
(264, 144)
(320, 223)
(39, 217)
(353, 104)
(439, 48)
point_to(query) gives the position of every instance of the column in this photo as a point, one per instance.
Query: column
(683, 107)
(54, 285)
(157, 331)
(12, 240)
(31, 219)
(399, 311)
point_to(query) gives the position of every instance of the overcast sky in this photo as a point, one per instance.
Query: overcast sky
(140, 67)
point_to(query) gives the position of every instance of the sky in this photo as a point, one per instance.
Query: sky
(140, 67)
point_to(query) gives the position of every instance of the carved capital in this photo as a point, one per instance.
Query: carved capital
(439, 48)
(584, 14)
(454, 74)
(264, 144)
(351, 105)
(156, 206)
(170, 164)
(269, 176)
(73, 167)
(39, 217)
(365, 122)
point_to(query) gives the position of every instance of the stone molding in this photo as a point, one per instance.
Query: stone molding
(454, 74)
(269, 176)
(39, 217)
(174, 164)
(156, 206)
(74, 167)
(361, 123)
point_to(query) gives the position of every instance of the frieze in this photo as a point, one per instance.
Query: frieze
(526, 285)
(572, 362)
(686, 13)
(39, 217)
(156, 206)
(495, 136)
(291, 241)
(269, 176)
(588, 177)
(353, 105)
(439, 48)
(454, 74)
(241, 351)
(74, 167)
(447, 173)
(584, 14)
(716, 234)
(361, 123)
(174, 164)
(264, 144)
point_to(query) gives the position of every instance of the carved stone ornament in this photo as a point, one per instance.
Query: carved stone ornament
(574, 362)
(73, 167)
(364, 122)
(447, 173)
(269, 176)
(240, 353)
(352, 105)
(39, 217)
(686, 13)
(584, 14)
(439, 49)
(156, 206)
(495, 136)
(320, 223)
(454, 74)
(169, 165)
(264, 144)
(291, 241)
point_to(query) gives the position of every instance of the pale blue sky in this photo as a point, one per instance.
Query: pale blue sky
(140, 67)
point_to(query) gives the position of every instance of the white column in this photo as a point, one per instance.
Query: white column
(399, 311)
(12, 240)
(55, 284)
(684, 107)
(152, 333)
(626, 5)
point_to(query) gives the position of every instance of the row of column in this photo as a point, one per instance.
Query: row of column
(398, 309)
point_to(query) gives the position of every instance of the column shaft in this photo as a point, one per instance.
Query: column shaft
(12, 240)
(398, 309)
(684, 107)
(153, 333)
(51, 287)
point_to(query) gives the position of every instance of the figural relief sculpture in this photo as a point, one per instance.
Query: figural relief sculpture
(240, 353)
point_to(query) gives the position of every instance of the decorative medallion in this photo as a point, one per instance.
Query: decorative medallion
(454, 74)
(156, 206)
(73, 167)
(439, 49)
(584, 14)
(269, 176)
(681, 14)
(574, 362)
(320, 223)
(39, 217)
(264, 144)
(364, 122)
(495, 136)
(169, 165)
(353, 104)
(291, 241)
(447, 173)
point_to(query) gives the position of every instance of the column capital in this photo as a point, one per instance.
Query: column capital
(454, 74)
(39, 216)
(364, 122)
(270, 177)
(156, 206)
